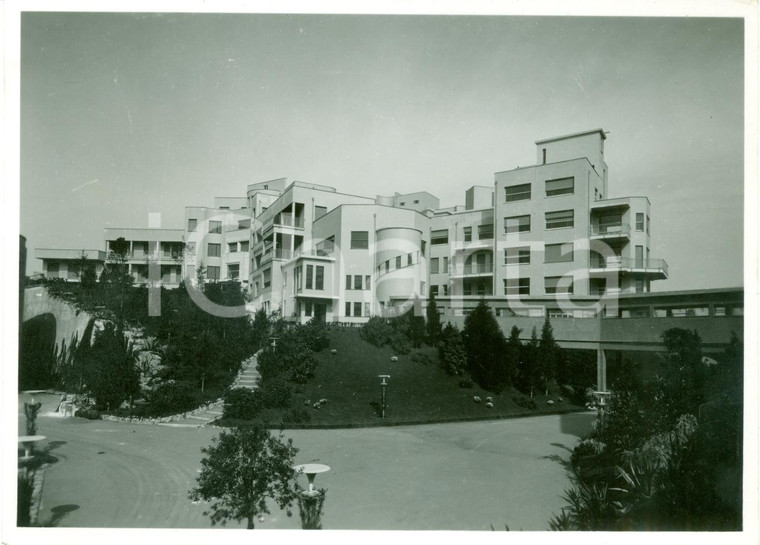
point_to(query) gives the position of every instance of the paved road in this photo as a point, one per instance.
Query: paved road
(460, 476)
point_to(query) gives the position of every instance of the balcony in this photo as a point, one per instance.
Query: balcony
(471, 245)
(611, 232)
(282, 253)
(473, 270)
(288, 220)
(655, 268)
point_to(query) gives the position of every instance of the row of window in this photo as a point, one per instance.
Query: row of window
(552, 188)
(552, 285)
(399, 261)
(559, 219)
(315, 277)
(359, 309)
(357, 282)
(215, 250)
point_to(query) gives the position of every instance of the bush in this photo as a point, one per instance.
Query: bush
(171, 398)
(241, 404)
(275, 393)
(421, 358)
(88, 413)
(466, 383)
(524, 402)
(304, 370)
(316, 335)
(377, 331)
(451, 352)
(297, 415)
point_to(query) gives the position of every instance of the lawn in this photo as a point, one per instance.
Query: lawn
(418, 390)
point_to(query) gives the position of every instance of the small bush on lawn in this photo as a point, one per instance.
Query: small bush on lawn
(465, 383)
(422, 358)
(275, 393)
(171, 398)
(241, 404)
(316, 335)
(89, 413)
(525, 402)
(377, 331)
(304, 370)
(297, 415)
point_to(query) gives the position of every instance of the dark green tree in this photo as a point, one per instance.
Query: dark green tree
(529, 372)
(261, 325)
(433, 320)
(241, 470)
(486, 348)
(548, 356)
(513, 355)
(87, 277)
(683, 381)
(452, 355)
(109, 370)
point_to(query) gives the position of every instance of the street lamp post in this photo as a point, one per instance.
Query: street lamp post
(383, 399)
(310, 501)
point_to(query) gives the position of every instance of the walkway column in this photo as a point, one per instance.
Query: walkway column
(601, 370)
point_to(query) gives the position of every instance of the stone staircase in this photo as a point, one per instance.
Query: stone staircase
(248, 377)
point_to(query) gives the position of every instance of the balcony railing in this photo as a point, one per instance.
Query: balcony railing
(619, 262)
(622, 230)
(281, 253)
(473, 269)
(286, 220)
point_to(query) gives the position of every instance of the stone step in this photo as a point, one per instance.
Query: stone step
(215, 413)
(200, 417)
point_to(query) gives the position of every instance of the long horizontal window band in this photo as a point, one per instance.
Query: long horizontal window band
(559, 219)
(517, 192)
(552, 285)
(439, 237)
(517, 224)
(558, 253)
(517, 256)
(560, 186)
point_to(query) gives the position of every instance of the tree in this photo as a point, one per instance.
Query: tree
(528, 372)
(87, 277)
(261, 325)
(548, 356)
(486, 348)
(682, 387)
(109, 369)
(513, 354)
(451, 352)
(433, 320)
(241, 470)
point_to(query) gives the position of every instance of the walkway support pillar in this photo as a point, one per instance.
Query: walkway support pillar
(601, 370)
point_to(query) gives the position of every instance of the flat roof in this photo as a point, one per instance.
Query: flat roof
(574, 135)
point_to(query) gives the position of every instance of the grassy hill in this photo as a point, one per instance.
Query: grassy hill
(418, 390)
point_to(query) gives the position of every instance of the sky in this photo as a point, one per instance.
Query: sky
(127, 114)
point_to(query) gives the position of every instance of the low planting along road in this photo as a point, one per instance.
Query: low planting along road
(458, 476)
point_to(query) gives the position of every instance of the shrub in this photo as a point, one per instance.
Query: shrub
(451, 352)
(316, 335)
(399, 343)
(304, 370)
(377, 331)
(524, 402)
(88, 413)
(171, 398)
(296, 415)
(241, 404)
(275, 393)
(465, 383)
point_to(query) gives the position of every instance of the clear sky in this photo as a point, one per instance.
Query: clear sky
(123, 115)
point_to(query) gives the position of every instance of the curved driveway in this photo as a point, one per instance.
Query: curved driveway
(459, 476)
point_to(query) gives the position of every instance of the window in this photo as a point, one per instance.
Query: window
(517, 286)
(647, 225)
(434, 291)
(309, 276)
(359, 240)
(233, 271)
(348, 281)
(244, 245)
(639, 221)
(560, 219)
(561, 186)
(232, 247)
(467, 234)
(551, 285)
(422, 247)
(558, 253)
(212, 272)
(366, 309)
(357, 309)
(445, 269)
(319, 278)
(517, 192)
(309, 309)
(244, 224)
(639, 286)
(409, 259)
(402, 204)
(357, 282)
(485, 232)
(517, 224)
(319, 211)
(348, 308)
(367, 280)
(215, 227)
(434, 265)
(439, 237)
(639, 256)
(192, 225)
(543, 152)
(398, 262)
(298, 272)
(517, 256)
(445, 289)
(416, 201)
(214, 250)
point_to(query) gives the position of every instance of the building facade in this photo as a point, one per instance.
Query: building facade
(544, 233)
